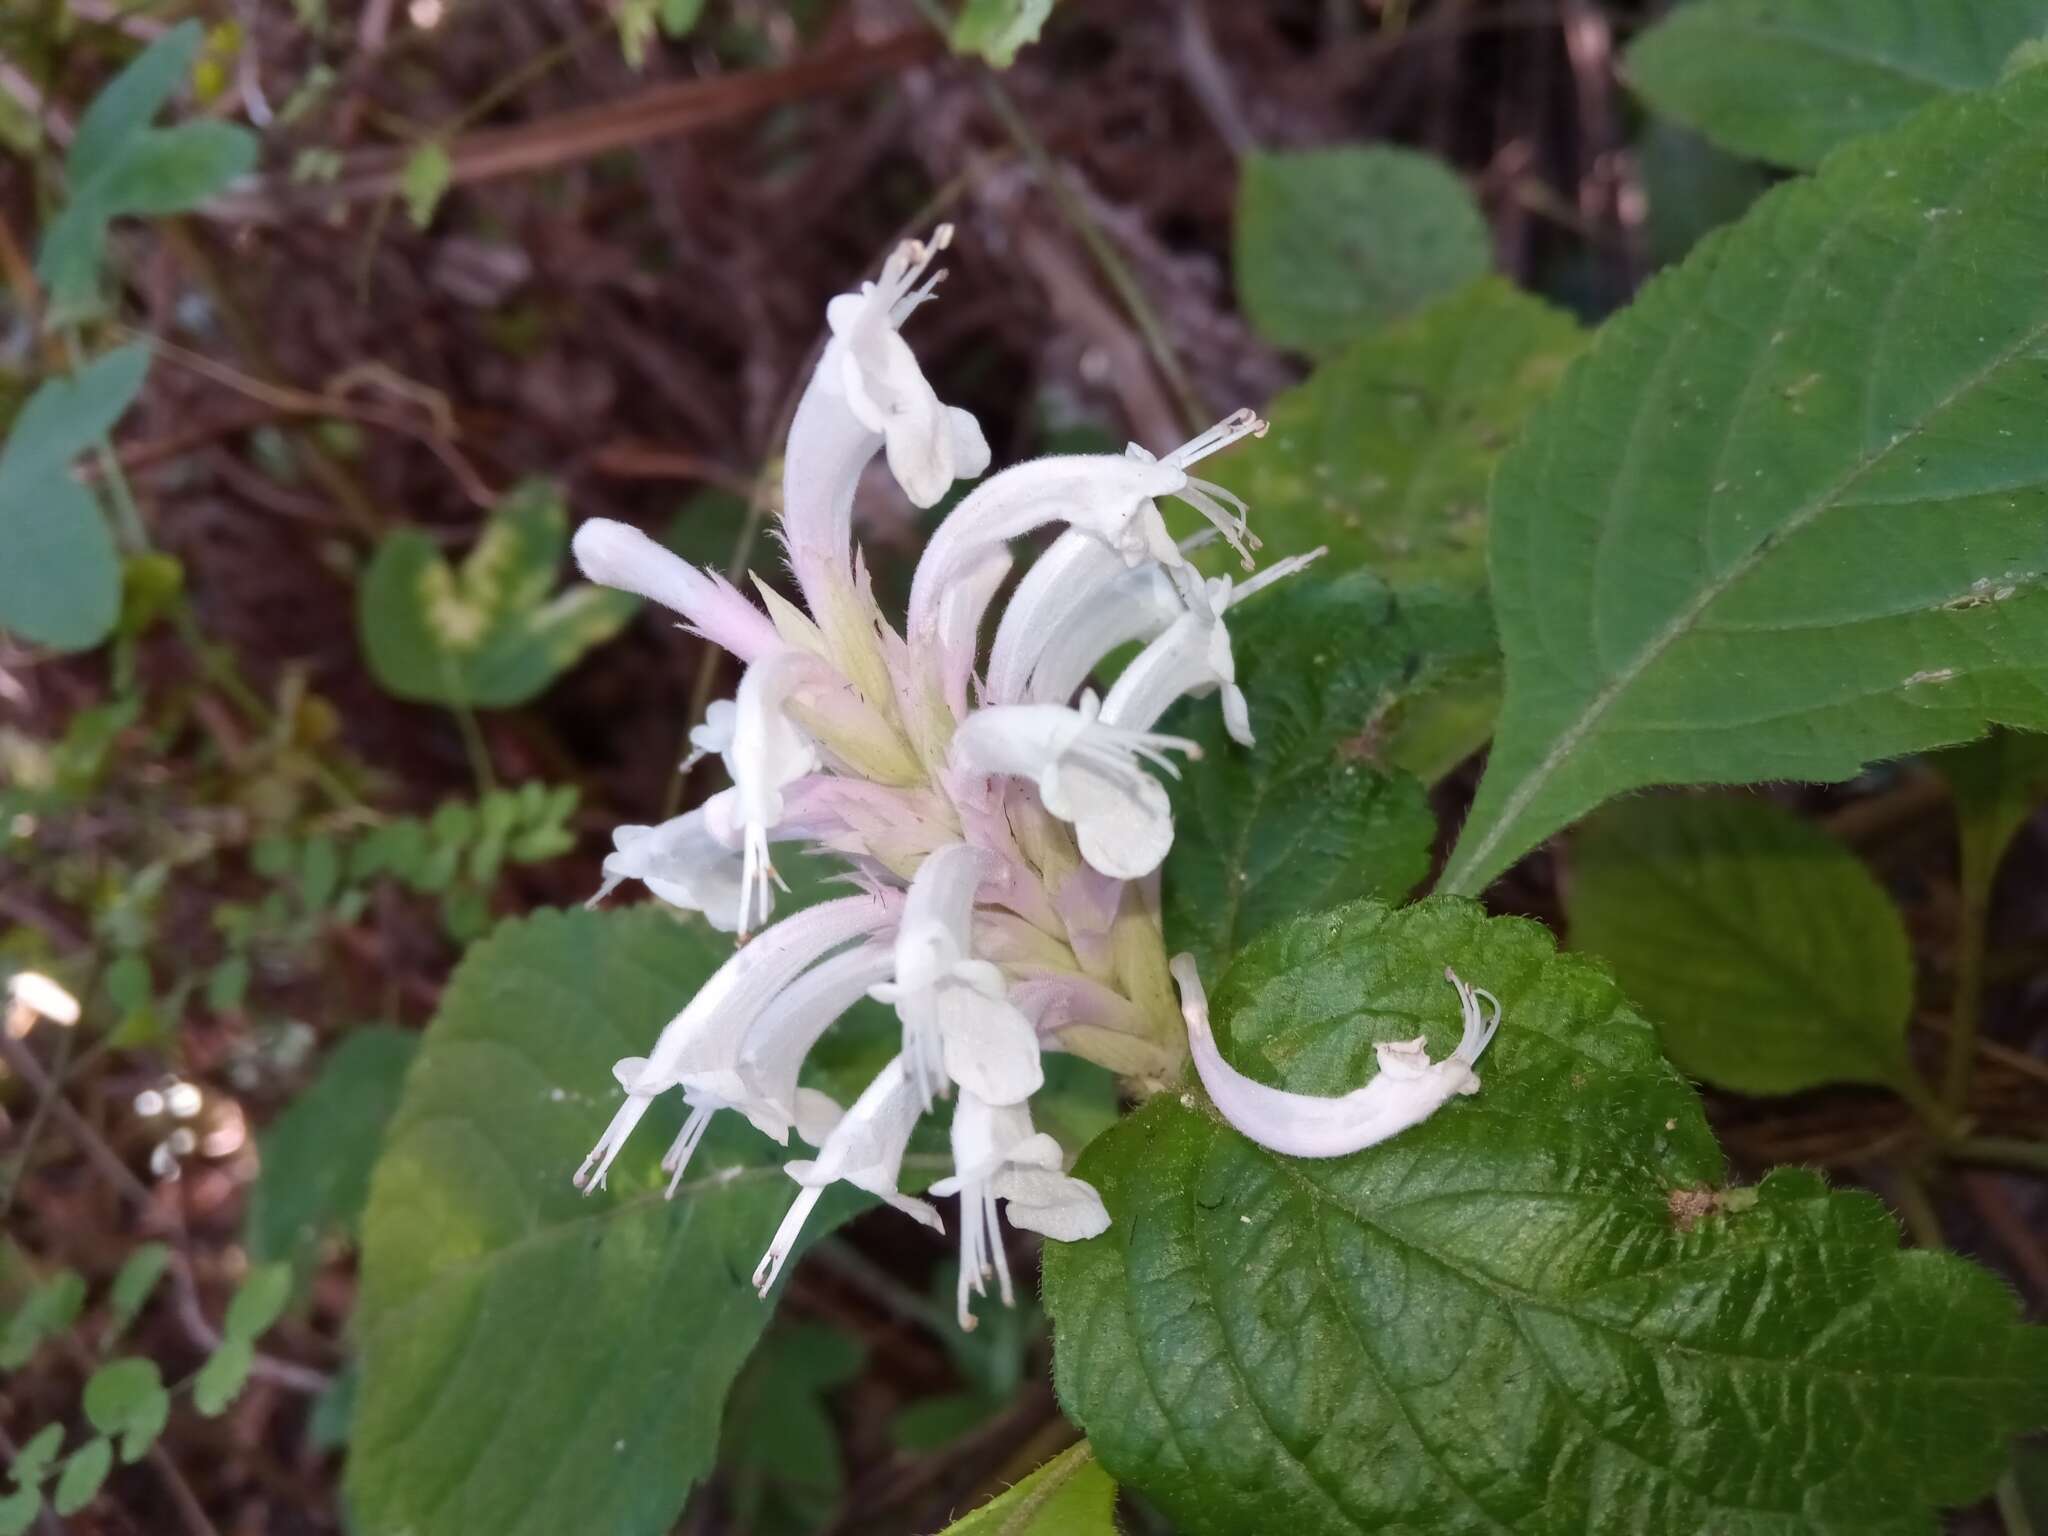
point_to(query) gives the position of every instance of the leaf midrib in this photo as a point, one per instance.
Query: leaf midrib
(1457, 878)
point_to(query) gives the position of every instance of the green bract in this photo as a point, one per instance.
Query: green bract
(1539, 1311)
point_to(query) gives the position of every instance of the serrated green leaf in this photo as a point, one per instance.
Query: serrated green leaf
(221, 1379)
(1069, 1496)
(487, 633)
(318, 1154)
(1304, 818)
(1384, 455)
(85, 1472)
(258, 1302)
(1788, 80)
(1331, 244)
(535, 1360)
(1770, 958)
(49, 1309)
(132, 1288)
(1536, 1311)
(1790, 513)
(424, 181)
(125, 1400)
(995, 29)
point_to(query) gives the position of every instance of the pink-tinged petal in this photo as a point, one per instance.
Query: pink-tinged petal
(615, 555)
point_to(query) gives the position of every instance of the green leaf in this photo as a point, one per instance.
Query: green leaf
(85, 1470)
(50, 1308)
(995, 29)
(1770, 958)
(35, 1455)
(1785, 517)
(535, 1360)
(780, 1448)
(1069, 1496)
(1691, 188)
(258, 1302)
(423, 182)
(125, 1400)
(131, 100)
(1331, 244)
(1385, 453)
(1304, 818)
(18, 1511)
(318, 1154)
(221, 1379)
(1537, 1311)
(487, 633)
(680, 17)
(1788, 80)
(132, 1288)
(61, 583)
(1997, 784)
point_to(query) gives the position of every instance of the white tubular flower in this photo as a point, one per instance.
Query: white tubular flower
(703, 1042)
(773, 1051)
(615, 555)
(1193, 657)
(765, 753)
(865, 1150)
(1110, 498)
(1408, 1090)
(867, 393)
(958, 1022)
(1076, 604)
(1088, 774)
(997, 1156)
(689, 861)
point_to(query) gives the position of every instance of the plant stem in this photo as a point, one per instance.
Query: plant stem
(127, 515)
(1918, 1210)
(2012, 1509)
(476, 749)
(2005, 1151)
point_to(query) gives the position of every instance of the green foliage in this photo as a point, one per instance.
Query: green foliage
(995, 29)
(536, 1360)
(47, 1311)
(1770, 958)
(125, 1400)
(1305, 818)
(1069, 1496)
(318, 1154)
(221, 1379)
(1788, 80)
(1385, 453)
(132, 1288)
(1997, 784)
(85, 1471)
(1691, 187)
(1784, 517)
(119, 165)
(780, 1449)
(1536, 1311)
(258, 1302)
(60, 584)
(1331, 244)
(487, 633)
(991, 1361)
(424, 181)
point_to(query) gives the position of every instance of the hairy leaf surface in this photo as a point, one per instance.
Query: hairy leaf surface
(1535, 1312)
(535, 1361)
(1788, 80)
(1384, 454)
(1789, 514)
(1769, 956)
(1306, 817)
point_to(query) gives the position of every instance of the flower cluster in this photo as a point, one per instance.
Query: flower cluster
(1004, 826)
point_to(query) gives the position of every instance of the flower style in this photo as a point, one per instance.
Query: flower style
(1000, 829)
(1408, 1090)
